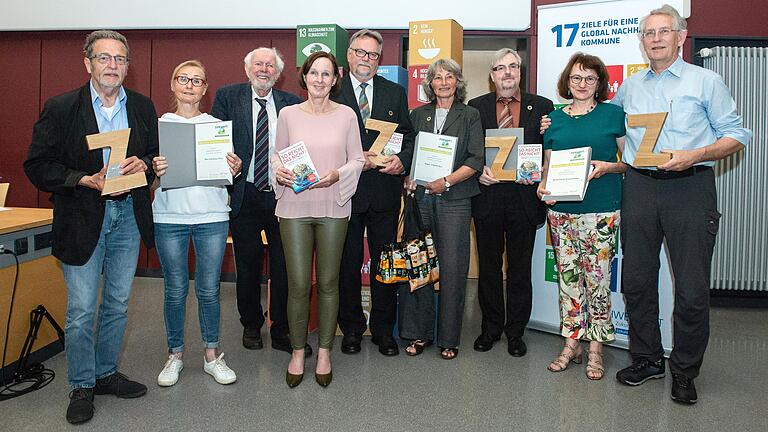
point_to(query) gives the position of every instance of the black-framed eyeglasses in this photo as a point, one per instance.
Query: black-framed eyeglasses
(576, 79)
(511, 67)
(105, 58)
(196, 82)
(361, 53)
(663, 32)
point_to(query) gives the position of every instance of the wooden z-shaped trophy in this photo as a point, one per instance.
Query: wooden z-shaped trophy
(505, 145)
(652, 123)
(386, 130)
(117, 141)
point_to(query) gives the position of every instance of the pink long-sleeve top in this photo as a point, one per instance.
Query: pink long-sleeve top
(333, 142)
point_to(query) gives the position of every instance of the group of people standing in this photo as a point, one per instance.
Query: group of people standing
(355, 199)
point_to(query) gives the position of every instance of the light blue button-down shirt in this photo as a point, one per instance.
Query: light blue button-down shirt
(107, 122)
(699, 106)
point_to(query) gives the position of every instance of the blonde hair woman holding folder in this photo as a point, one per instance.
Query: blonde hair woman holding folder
(314, 221)
(199, 212)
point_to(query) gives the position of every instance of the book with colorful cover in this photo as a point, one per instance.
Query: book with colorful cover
(296, 158)
(529, 162)
(394, 145)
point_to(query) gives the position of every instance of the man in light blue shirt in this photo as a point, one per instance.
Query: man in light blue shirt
(676, 200)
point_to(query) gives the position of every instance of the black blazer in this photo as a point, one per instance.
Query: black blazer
(235, 102)
(532, 107)
(59, 157)
(463, 122)
(377, 191)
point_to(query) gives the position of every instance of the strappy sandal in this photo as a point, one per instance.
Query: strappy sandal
(568, 355)
(449, 353)
(595, 369)
(417, 346)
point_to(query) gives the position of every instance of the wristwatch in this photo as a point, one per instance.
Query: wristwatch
(447, 185)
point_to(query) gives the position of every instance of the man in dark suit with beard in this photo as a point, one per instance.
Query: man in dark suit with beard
(253, 109)
(508, 213)
(376, 205)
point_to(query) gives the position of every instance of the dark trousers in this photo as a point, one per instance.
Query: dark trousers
(684, 212)
(381, 228)
(256, 214)
(505, 226)
(449, 221)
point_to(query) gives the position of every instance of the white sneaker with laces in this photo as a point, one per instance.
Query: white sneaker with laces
(219, 370)
(170, 373)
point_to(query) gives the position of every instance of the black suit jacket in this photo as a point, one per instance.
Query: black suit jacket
(463, 122)
(532, 107)
(59, 157)
(377, 191)
(235, 102)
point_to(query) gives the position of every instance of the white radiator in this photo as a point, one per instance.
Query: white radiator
(740, 260)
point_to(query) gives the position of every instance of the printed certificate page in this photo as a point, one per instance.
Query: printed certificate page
(433, 157)
(568, 172)
(212, 142)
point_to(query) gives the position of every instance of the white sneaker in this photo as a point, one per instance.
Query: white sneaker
(219, 370)
(170, 373)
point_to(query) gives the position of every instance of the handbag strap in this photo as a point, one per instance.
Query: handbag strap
(413, 224)
(400, 224)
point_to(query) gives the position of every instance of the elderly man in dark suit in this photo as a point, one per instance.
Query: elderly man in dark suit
(376, 205)
(507, 213)
(253, 108)
(95, 235)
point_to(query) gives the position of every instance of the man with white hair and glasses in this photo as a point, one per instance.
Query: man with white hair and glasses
(675, 201)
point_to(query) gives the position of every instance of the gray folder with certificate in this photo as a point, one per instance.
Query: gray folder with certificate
(196, 153)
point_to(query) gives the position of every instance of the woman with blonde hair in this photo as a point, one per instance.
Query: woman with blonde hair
(199, 212)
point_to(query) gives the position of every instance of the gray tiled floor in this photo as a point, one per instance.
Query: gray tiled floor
(478, 391)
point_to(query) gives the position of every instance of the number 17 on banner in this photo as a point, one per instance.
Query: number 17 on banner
(558, 31)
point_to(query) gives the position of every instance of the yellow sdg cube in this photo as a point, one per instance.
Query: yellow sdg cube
(433, 40)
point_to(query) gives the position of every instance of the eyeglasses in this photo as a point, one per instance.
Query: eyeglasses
(511, 67)
(105, 58)
(576, 79)
(662, 32)
(196, 82)
(361, 53)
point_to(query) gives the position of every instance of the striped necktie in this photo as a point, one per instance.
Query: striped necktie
(260, 161)
(505, 118)
(362, 101)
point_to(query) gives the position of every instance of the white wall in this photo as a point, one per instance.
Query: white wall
(227, 14)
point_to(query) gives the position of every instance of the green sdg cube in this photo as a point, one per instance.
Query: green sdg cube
(321, 37)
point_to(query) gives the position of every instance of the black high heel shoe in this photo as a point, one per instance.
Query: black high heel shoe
(324, 379)
(293, 380)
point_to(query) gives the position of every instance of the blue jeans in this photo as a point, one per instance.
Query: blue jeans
(172, 243)
(94, 355)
